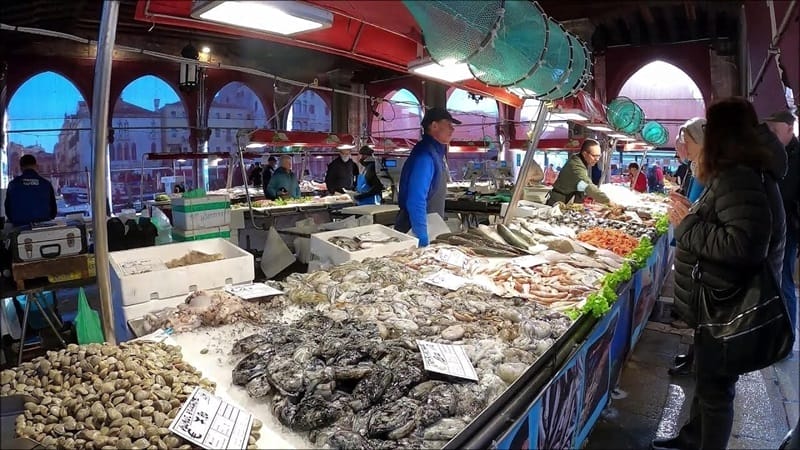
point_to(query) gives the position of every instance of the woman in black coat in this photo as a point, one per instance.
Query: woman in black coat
(735, 227)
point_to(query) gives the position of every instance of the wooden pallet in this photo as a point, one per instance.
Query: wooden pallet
(56, 270)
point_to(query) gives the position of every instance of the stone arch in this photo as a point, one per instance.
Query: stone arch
(309, 112)
(399, 117)
(667, 95)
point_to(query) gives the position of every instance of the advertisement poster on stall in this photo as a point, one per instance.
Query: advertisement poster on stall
(643, 305)
(620, 344)
(597, 366)
(522, 434)
(561, 407)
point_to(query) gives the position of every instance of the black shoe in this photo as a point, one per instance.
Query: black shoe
(675, 443)
(682, 368)
(680, 359)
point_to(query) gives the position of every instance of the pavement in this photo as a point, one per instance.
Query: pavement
(650, 404)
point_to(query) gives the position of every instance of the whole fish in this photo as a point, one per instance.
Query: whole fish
(510, 237)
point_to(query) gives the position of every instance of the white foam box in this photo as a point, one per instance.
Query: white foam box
(198, 234)
(160, 283)
(198, 213)
(323, 250)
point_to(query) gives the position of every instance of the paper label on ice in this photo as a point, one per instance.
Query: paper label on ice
(159, 336)
(251, 291)
(529, 261)
(209, 422)
(452, 257)
(138, 266)
(446, 279)
(446, 359)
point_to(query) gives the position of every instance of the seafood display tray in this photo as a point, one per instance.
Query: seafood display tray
(323, 250)
(130, 289)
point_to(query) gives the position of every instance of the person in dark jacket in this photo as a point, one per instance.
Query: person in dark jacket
(782, 123)
(368, 186)
(255, 174)
(423, 180)
(341, 174)
(30, 197)
(283, 183)
(736, 226)
(267, 172)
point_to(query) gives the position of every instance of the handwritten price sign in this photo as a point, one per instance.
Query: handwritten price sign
(210, 422)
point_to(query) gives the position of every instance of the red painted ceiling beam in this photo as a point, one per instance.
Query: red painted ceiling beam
(348, 36)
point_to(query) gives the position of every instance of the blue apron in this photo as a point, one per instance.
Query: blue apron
(361, 187)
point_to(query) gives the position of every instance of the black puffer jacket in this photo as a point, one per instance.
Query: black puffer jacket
(735, 226)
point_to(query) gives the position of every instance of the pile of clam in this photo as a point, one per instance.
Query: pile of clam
(105, 396)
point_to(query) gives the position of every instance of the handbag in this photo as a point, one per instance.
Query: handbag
(741, 329)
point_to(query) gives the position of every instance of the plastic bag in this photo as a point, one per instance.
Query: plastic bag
(164, 227)
(87, 322)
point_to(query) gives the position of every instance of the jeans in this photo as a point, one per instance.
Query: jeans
(711, 414)
(787, 280)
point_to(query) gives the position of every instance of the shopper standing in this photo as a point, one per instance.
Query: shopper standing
(638, 180)
(341, 174)
(782, 123)
(368, 186)
(423, 180)
(725, 230)
(30, 197)
(283, 183)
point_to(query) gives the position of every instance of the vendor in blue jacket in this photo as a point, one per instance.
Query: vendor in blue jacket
(30, 197)
(423, 181)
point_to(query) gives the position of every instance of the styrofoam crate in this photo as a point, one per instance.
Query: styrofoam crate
(198, 213)
(132, 288)
(323, 250)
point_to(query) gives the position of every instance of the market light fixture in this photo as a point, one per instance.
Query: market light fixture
(345, 147)
(448, 71)
(574, 115)
(255, 145)
(278, 17)
(622, 137)
(189, 72)
(597, 127)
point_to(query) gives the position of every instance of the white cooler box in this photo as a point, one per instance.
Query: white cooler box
(131, 288)
(325, 251)
(198, 213)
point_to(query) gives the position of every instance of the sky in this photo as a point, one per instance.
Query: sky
(44, 100)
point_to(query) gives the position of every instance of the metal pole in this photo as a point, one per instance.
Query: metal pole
(101, 92)
(527, 163)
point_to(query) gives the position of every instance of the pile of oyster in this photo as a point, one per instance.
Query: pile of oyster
(105, 396)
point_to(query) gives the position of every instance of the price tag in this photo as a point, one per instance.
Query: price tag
(446, 279)
(452, 257)
(529, 261)
(210, 422)
(141, 266)
(447, 359)
(251, 291)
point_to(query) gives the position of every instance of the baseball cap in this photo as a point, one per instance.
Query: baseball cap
(436, 114)
(366, 151)
(781, 116)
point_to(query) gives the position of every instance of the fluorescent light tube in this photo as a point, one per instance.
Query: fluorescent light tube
(447, 71)
(575, 117)
(598, 128)
(279, 17)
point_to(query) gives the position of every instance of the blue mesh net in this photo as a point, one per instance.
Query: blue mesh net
(516, 48)
(455, 30)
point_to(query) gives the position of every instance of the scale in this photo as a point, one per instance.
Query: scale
(390, 169)
(500, 174)
(473, 172)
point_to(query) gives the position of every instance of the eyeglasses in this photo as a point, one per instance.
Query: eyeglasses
(595, 155)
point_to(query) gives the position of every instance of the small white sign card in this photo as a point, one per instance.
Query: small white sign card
(447, 359)
(452, 257)
(251, 291)
(210, 422)
(446, 279)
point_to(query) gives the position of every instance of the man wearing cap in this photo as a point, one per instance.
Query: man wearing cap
(341, 174)
(423, 180)
(368, 186)
(266, 173)
(574, 181)
(30, 197)
(781, 124)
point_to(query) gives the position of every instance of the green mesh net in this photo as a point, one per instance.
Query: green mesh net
(579, 74)
(518, 46)
(654, 133)
(625, 116)
(554, 66)
(455, 30)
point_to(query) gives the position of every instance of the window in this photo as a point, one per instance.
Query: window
(227, 135)
(217, 114)
(153, 147)
(311, 109)
(217, 133)
(173, 113)
(227, 115)
(218, 148)
(133, 151)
